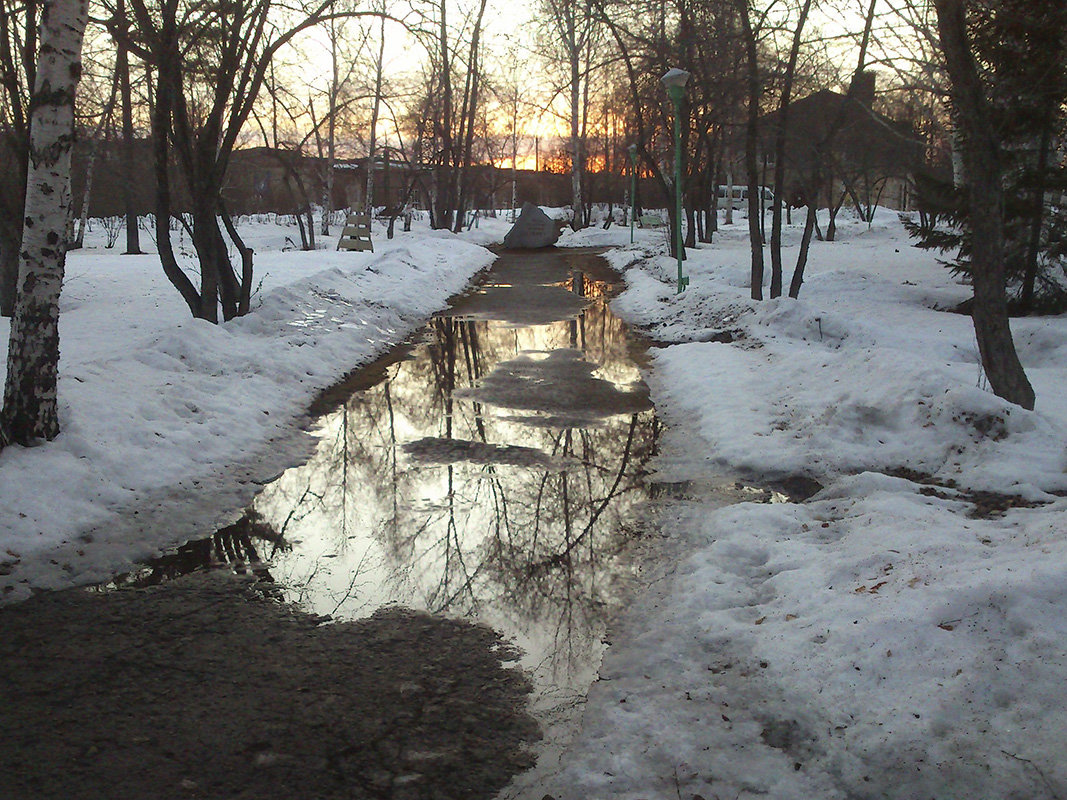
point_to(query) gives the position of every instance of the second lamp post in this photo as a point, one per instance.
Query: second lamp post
(675, 81)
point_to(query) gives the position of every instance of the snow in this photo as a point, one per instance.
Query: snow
(885, 638)
(901, 634)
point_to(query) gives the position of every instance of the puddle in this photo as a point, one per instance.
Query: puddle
(492, 470)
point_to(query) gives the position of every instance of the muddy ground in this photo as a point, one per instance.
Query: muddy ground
(206, 687)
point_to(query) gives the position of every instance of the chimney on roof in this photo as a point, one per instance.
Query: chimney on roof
(862, 91)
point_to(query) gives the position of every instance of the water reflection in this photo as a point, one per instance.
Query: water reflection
(432, 490)
(246, 547)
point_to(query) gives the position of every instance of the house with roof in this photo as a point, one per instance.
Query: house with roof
(838, 150)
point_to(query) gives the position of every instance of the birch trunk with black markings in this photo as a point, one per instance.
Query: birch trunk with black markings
(30, 408)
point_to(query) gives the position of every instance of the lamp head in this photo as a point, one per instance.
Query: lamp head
(675, 77)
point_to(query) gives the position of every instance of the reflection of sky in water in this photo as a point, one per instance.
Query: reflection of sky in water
(455, 507)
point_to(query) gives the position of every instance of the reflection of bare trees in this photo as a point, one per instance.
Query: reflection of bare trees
(530, 541)
(237, 546)
(418, 497)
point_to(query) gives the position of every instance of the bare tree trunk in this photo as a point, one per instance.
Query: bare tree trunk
(331, 136)
(445, 199)
(122, 68)
(573, 33)
(207, 252)
(985, 197)
(755, 236)
(779, 153)
(586, 184)
(762, 204)
(87, 193)
(833, 206)
(244, 299)
(1026, 301)
(229, 286)
(577, 216)
(167, 87)
(802, 257)
(375, 110)
(167, 259)
(299, 217)
(77, 241)
(9, 274)
(30, 402)
(467, 120)
(18, 45)
(729, 219)
(514, 153)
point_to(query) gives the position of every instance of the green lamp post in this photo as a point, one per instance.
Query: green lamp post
(675, 81)
(632, 150)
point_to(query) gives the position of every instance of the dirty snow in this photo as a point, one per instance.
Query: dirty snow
(899, 635)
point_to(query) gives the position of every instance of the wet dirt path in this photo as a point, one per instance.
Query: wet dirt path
(474, 514)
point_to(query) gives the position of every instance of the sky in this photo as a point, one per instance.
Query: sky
(510, 52)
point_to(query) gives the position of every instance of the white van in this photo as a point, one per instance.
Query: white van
(739, 196)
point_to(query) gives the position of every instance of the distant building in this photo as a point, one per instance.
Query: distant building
(871, 158)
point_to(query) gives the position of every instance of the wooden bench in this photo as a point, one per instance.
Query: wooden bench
(356, 234)
(650, 221)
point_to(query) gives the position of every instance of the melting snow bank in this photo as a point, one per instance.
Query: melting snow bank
(902, 634)
(170, 424)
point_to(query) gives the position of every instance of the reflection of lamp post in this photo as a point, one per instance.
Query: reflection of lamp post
(675, 80)
(632, 150)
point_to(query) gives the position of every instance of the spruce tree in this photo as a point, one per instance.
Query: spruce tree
(1020, 48)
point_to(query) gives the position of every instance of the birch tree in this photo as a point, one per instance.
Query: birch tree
(30, 409)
